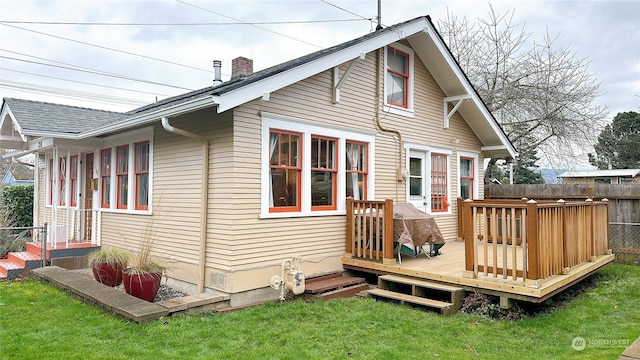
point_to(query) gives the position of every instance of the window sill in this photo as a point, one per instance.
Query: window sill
(398, 110)
(281, 215)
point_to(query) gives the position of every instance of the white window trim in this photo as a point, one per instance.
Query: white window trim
(130, 139)
(476, 172)
(394, 109)
(308, 128)
(429, 150)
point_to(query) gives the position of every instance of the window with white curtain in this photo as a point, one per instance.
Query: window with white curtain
(309, 169)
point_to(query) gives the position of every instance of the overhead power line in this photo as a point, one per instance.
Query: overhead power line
(250, 24)
(347, 11)
(108, 48)
(84, 69)
(83, 82)
(71, 93)
(182, 24)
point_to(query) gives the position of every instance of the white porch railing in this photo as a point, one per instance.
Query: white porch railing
(72, 225)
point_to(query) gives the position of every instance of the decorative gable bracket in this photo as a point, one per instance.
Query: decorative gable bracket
(457, 101)
(338, 82)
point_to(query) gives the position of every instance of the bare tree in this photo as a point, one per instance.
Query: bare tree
(542, 96)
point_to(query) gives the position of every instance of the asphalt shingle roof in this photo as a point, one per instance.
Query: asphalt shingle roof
(47, 117)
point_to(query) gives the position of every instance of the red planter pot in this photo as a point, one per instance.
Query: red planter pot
(110, 275)
(142, 286)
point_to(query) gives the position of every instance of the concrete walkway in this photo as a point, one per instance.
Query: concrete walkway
(117, 301)
(632, 352)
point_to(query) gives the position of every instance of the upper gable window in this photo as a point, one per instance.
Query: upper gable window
(398, 85)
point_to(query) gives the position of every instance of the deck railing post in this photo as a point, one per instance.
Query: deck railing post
(563, 236)
(606, 203)
(460, 203)
(388, 257)
(469, 241)
(349, 245)
(533, 258)
(591, 233)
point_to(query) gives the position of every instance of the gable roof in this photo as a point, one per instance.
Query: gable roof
(419, 32)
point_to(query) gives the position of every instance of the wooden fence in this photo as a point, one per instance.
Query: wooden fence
(531, 240)
(370, 230)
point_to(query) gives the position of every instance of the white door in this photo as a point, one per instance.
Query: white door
(417, 181)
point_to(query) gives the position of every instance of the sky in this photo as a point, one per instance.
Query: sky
(121, 54)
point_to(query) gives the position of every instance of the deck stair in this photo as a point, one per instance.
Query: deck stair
(334, 286)
(446, 299)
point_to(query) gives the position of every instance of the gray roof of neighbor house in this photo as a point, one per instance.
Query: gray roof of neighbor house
(601, 173)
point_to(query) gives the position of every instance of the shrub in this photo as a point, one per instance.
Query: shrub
(16, 205)
(12, 242)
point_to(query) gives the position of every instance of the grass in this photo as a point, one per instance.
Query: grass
(38, 321)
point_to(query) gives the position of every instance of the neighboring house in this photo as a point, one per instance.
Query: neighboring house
(236, 177)
(621, 176)
(11, 179)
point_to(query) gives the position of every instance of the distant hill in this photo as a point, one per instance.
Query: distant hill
(550, 176)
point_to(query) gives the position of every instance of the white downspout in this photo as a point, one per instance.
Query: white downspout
(204, 197)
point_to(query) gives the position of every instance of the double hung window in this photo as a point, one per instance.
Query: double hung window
(310, 169)
(285, 170)
(142, 175)
(105, 178)
(399, 80)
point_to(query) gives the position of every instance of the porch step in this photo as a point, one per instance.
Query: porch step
(26, 259)
(334, 286)
(10, 269)
(445, 298)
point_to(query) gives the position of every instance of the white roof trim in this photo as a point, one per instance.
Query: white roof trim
(182, 108)
(7, 112)
(470, 90)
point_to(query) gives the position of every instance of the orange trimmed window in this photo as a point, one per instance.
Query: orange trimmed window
(142, 175)
(397, 78)
(439, 185)
(105, 177)
(324, 170)
(73, 179)
(122, 176)
(356, 170)
(466, 178)
(62, 175)
(285, 167)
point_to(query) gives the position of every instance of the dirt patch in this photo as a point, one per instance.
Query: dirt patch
(489, 306)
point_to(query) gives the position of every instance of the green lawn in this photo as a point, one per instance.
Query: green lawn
(39, 321)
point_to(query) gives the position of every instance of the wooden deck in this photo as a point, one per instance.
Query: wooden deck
(449, 268)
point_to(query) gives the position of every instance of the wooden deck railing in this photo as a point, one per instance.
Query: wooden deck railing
(529, 240)
(370, 230)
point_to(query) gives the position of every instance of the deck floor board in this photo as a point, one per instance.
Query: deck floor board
(449, 268)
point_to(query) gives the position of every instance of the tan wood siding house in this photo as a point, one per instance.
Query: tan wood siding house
(375, 117)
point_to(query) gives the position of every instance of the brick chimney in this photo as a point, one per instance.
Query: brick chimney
(240, 67)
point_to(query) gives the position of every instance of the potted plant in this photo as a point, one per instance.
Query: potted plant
(141, 278)
(107, 264)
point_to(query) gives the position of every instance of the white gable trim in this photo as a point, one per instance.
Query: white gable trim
(7, 113)
(469, 89)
